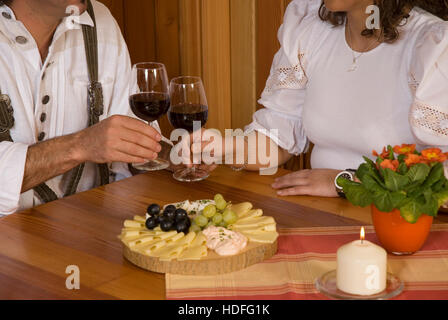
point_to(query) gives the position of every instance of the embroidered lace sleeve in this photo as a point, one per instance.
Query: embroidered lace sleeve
(429, 77)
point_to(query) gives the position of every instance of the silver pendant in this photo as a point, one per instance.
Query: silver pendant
(353, 67)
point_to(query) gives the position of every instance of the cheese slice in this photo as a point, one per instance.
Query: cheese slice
(199, 240)
(255, 222)
(241, 208)
(193, 253)
(255, 229)
(133, 224)
(140, 219)
(250, 215)
(134, 233)
(154, 246)
(264, 237)
(175, 249)
(141, 241)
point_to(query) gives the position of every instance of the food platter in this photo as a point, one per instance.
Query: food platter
(213, 264)
(206, 244)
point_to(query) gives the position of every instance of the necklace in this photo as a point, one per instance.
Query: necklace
(354, 65)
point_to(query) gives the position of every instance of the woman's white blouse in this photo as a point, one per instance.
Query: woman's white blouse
(63, 77)
(398, 94)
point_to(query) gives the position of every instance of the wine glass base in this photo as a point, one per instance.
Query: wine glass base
(152, 165)
(191, 175)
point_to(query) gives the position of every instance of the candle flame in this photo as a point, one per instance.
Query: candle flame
(363, 234)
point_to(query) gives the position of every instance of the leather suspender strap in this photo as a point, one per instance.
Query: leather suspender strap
(43, 191)
(95, 96)
(6, 117)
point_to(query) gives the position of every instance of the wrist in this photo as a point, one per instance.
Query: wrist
(76, 148)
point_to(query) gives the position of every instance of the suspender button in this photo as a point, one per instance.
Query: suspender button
(6, 15)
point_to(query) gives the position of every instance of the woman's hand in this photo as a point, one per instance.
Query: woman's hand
(318, 182)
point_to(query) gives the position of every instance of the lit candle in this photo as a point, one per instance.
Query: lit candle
(361, 267)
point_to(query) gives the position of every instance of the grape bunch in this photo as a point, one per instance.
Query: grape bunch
(217, 214)
(171, 219)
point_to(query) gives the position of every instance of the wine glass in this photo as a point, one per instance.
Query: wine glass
(188, 105)
(150, 101)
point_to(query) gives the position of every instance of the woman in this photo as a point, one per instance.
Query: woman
(350, 90)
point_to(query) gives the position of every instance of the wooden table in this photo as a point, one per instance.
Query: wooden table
(37, 245)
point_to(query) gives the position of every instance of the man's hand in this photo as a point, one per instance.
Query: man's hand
(119, 139)
(319, 182)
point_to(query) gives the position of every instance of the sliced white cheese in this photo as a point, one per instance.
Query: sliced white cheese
(140, 219)
(199, 240)
(255, 229)
(134, 233)
(255, 222)
(264, 237)
(172, 251)
(251, 214)
(157, 244)
(241, 208)
(193, 253)
(133, 224)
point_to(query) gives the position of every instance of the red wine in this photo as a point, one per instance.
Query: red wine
(183, 116)
(149, 106)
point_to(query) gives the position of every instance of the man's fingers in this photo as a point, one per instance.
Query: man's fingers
(134, 150)
(295, 191)
(125, 158)
(140, 139)
(142, 127)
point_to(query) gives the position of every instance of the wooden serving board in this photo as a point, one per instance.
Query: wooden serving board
(213, 264)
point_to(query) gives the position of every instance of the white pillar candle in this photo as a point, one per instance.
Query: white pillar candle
(361, 268)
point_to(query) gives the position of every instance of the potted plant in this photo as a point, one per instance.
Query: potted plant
(405, 189)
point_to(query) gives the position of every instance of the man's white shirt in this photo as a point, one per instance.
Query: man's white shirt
(50, 98)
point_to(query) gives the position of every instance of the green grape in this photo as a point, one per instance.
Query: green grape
(209, 211)
(218, 197)
(221, 204)
(195, 228)
(201, 221)
(217, 219)
(209, 224)
(229, 216)
(223, 224)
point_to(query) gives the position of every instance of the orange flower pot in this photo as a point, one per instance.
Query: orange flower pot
(398, 236)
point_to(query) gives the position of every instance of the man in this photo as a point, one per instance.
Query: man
(44, 72)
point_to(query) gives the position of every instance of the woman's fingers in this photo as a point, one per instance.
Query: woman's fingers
(293, 179)
(295, 191)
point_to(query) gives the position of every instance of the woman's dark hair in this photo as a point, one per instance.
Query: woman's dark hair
(392, 13)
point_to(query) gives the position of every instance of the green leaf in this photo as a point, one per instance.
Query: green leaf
(418, 173)
(391, 152)
(411, 211)
(437, 173)
(356, 193)
(395, 181)
(371, 184)
(387, 201)
(441, 197)
(403, 168)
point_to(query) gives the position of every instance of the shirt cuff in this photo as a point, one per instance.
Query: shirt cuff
(12, 170)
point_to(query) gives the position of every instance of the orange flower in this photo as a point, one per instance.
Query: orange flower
(404, 149)
(384, 155)
(412, 159)
(390, 164)
(434, 155)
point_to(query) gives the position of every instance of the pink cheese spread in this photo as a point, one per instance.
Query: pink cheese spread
(224, 242)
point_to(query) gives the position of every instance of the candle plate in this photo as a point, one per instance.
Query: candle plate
(326, 284)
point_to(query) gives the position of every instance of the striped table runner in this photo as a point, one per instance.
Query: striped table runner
(304, 255)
